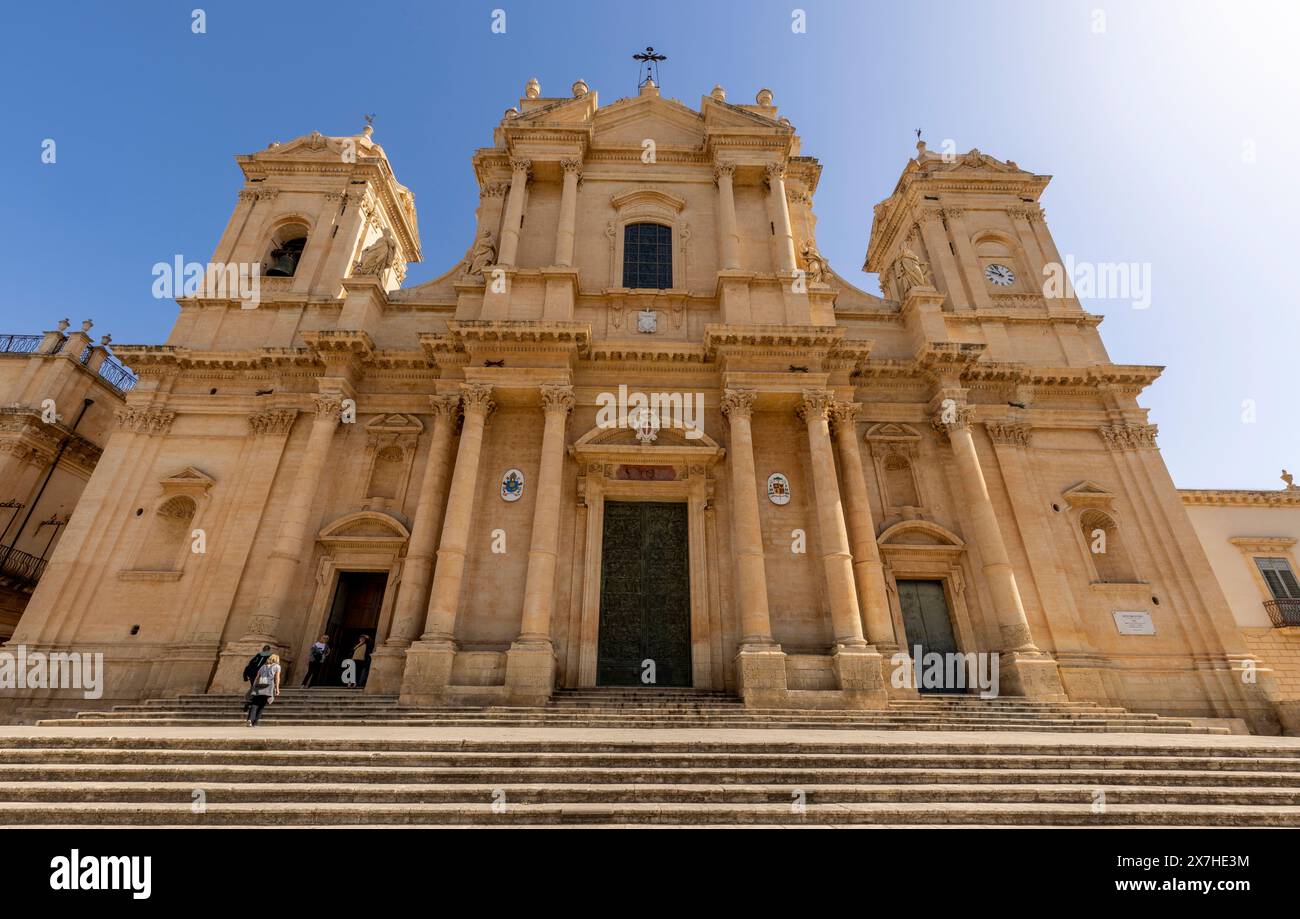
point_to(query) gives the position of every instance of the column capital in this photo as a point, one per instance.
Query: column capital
(327, 407)
(1013, 433)
(445, 407)
(277, 421)
(1128, 436)
(950, 417)
(557, 397)
(477, 398)
(520, 164)
(723, 169)
(775, 172)
(571, 166)
(816, 405)
(844, 415)
(737, 403)
(144, 420)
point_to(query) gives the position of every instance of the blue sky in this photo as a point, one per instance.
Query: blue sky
(1172, 134)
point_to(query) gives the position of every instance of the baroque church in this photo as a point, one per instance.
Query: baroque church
(430, 467)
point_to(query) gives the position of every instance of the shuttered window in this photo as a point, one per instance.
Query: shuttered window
(1280, 578)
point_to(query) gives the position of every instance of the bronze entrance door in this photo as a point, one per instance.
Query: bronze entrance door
(926, 623)
(645, 596)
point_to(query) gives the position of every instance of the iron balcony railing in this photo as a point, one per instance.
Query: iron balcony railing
(22, 567)
(19, 344)
(1283, 612)
(111, 371)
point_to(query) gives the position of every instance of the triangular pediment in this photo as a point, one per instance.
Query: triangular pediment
(723, 116)
(1088, 494)
(631, 121)
(890, 430)
(395, 423)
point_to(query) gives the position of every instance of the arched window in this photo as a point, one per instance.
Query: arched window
(899, 482)
(648, 256)
(285, 251)
(1109, 556)
(169, 535)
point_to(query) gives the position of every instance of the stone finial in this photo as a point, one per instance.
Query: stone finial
(648, 88)
(63, 325)
(764, 97)
(106, 341)
(511, 112)
(719, 93)
(86, 324)
(532, 89)
(580, 89)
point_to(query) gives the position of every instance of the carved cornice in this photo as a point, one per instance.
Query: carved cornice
(1128, 436)
(737, 403)
(1225, 497)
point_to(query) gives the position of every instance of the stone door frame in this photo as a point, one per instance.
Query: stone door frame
(939, 558)
(600, 454)
(343, 552)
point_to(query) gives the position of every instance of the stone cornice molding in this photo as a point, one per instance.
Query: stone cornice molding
(1262, 544)
(1227, 497)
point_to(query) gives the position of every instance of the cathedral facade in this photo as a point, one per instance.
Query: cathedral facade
(642, 434)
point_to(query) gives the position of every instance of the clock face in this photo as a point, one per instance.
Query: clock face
(1000, 275)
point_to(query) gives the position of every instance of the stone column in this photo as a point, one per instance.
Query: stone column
(778, 210)
(429, 660)
(530, 664)
(846, 620)
(873, 599)
(858, 669)
(279, 578)
(760, 664)
(728, 235)
(1028, 670)
(514, 212)
(568, 212)
(413, 594)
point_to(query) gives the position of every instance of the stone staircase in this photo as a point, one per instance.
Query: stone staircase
(118, 776)
(643, 708)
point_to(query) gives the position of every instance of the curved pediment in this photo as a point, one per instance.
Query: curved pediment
(670, 438)
(920, 533)
(364, 526)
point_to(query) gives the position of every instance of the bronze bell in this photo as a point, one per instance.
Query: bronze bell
(284, 265)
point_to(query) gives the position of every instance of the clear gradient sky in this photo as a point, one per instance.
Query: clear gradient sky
(1172, 133)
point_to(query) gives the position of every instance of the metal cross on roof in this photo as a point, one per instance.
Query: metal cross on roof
(649, 69)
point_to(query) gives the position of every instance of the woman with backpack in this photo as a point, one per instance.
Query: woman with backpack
(266, 686)
(316, 657)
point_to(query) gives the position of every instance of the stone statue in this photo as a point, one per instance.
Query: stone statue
(1288, 479)
(483, 256)
(815, 266)
(377, 257)
(912, 272)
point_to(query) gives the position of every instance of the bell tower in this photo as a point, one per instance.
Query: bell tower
(967, 230)
(317, 211)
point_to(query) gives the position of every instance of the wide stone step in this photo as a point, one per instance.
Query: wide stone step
(323, 813)
(483, 795)
(253, 771)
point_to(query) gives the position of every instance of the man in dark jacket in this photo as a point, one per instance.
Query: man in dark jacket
(250, 670)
